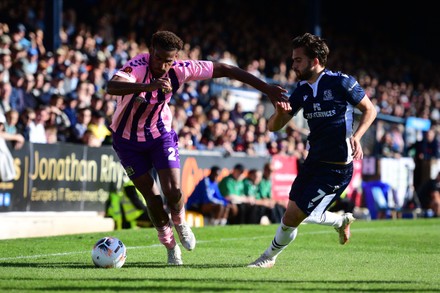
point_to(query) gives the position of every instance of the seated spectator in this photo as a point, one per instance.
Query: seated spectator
(274, 208)
(232, 188)
(207, 199)
(254, 212)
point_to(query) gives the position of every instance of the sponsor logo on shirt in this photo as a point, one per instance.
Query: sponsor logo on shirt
(129, 170)
(320, 114)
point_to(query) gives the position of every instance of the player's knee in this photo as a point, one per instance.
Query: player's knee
(174, 196)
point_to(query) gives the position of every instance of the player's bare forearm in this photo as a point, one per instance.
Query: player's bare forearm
(280, 117)
(120, 88)
(369, 113)
(274, 92)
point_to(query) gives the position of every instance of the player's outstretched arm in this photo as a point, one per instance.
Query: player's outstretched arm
(274, 92)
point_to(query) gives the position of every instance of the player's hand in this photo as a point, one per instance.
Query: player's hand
(163, 83)
(283, 107)
(276, 93)
(358, 153)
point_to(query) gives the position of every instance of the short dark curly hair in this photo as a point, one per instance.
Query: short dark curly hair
(166, 40)
(314, 47)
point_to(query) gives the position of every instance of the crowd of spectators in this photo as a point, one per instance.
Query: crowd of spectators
(52, 96)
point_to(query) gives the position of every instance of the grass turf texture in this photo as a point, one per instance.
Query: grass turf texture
(382, 256)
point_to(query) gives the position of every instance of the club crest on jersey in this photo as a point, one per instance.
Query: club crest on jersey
(127, 70)
(328, 96)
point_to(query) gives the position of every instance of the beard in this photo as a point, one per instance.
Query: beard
(306, 74)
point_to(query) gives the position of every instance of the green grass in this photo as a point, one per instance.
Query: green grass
(382, 256)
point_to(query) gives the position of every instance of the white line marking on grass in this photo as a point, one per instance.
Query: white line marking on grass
(160, 245)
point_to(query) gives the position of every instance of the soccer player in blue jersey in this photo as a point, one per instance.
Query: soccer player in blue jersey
(328, 100)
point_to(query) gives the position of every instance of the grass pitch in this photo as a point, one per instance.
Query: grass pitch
(382, 256)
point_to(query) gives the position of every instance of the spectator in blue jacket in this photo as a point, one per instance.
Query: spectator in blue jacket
(207, 199)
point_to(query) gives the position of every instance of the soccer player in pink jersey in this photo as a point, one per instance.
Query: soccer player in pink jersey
(142, 133)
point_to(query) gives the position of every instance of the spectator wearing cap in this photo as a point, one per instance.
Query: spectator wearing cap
(18, 34)
(83, 73)
(30, 63)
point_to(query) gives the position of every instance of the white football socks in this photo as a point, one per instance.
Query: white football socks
(283, 237)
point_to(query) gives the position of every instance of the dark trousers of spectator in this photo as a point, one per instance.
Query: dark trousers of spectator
(276, 213)
(254, 214)
(242, 217)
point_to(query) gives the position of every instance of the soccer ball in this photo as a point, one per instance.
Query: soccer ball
(109, 252)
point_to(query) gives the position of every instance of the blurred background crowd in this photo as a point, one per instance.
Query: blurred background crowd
(52, 95)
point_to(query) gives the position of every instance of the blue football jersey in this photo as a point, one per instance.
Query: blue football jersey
(328, 105)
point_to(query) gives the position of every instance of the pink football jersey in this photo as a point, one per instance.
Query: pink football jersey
(143, 116)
